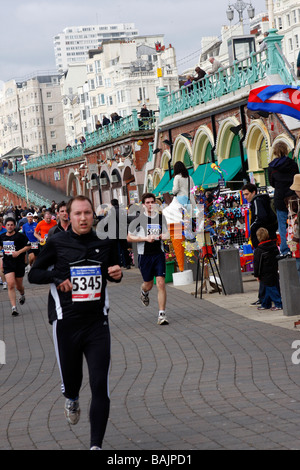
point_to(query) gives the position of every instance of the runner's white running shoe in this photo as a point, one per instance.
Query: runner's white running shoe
(162, 319)
(14, 312)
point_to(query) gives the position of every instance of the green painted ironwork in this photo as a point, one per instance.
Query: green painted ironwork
(246, 72)
(19, 190)
(105, 134)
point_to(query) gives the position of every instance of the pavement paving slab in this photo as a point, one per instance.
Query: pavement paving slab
(220, 376)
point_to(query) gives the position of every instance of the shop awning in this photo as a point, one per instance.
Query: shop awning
(230, 167)
(204, 175)
(202, 172)
(163, 182)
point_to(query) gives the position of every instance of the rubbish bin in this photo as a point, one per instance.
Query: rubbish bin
(170, 268)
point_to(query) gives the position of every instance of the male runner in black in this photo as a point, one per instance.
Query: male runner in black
(78, 310)
(14, 245)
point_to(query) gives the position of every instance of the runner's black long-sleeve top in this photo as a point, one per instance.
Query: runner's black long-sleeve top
(52, 266)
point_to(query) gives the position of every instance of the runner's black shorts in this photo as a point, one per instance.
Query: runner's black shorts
(17, 268)
(152, 266)
(35, 252)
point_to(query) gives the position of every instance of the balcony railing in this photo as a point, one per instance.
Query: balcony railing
(19, 190)
(246, 72)
(249, 71)
(105, 134)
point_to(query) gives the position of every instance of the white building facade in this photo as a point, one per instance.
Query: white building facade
(73, 43)
(286, 15)
(287, 22)
(31, 115)
(120, 76)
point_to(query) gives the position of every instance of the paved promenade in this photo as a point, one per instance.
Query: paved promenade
(220, 376)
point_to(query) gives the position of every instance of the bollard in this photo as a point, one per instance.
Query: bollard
(289, 286)
(230, 270)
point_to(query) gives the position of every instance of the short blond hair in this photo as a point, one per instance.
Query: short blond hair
(262, 234)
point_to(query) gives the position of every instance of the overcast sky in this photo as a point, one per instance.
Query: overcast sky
(28, 27)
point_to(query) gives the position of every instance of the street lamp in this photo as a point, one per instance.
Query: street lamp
(240, 6)
(11, 126)
(24, 163)
(73, 100)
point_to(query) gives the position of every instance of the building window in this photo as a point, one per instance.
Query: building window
(295, 16)
(98, 66)
(101, 99)
(99, 80)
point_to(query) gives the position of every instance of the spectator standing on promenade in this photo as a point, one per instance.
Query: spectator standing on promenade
(145, 113)
(105, 121)
(78, 310)
(216, 65)
(293, 238)
(266, 270)
(200, 73)
(149, 230)
(281, 172)
(262, 215)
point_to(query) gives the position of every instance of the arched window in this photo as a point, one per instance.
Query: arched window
(187, 160)
(235, 147)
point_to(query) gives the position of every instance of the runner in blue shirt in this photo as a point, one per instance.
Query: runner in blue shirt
(28, 230)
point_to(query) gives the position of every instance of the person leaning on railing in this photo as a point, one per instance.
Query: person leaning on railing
(216, 65)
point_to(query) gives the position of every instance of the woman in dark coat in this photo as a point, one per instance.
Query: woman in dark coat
(281, 175)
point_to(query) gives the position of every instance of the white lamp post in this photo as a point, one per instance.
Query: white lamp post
(73, 100)
(24, 163)
(240, 6)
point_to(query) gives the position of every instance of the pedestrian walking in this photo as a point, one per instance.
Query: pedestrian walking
(149, 230)
(78, 310)
(14, 245)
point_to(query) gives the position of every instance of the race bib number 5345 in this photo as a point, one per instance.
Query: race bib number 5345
(87, 283)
